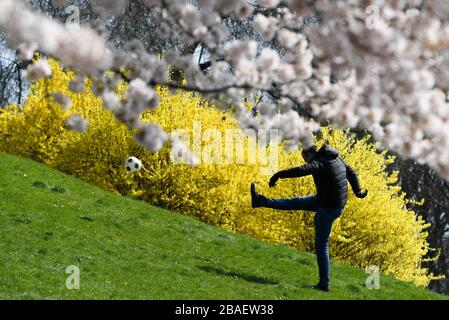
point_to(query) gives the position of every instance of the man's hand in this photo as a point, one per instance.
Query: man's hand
(273, 181)
(361, 194)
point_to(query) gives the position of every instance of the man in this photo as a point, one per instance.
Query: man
(330, 173)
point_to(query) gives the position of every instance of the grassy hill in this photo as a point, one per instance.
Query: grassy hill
(128, 249)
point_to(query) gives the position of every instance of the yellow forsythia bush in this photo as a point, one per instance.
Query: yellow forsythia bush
(378, 230)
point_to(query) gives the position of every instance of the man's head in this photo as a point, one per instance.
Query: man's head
(309, 153)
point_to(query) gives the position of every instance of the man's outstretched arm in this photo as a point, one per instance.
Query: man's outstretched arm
(301, 171)
(353, 179)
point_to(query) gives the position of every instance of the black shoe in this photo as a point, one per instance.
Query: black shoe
(254, 196)
(321, 287)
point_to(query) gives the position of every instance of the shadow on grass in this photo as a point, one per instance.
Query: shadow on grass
(86, 218)
(238, 275)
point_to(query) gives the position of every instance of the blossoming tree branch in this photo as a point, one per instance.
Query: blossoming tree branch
(367, 64)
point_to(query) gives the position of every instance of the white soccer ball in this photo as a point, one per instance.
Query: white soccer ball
(132, 165)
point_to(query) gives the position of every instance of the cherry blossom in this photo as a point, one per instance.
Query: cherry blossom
(376, 65)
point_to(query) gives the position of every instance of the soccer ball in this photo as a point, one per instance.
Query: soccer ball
(132, 165)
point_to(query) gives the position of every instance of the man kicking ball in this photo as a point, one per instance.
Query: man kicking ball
(330, 173)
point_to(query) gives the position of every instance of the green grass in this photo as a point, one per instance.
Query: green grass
(128, 249)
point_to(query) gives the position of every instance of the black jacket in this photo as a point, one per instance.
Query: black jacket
(330, 173)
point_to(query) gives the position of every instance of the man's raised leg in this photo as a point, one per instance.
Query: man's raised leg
(297, 203)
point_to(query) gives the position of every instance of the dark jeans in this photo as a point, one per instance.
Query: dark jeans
(323, 226)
